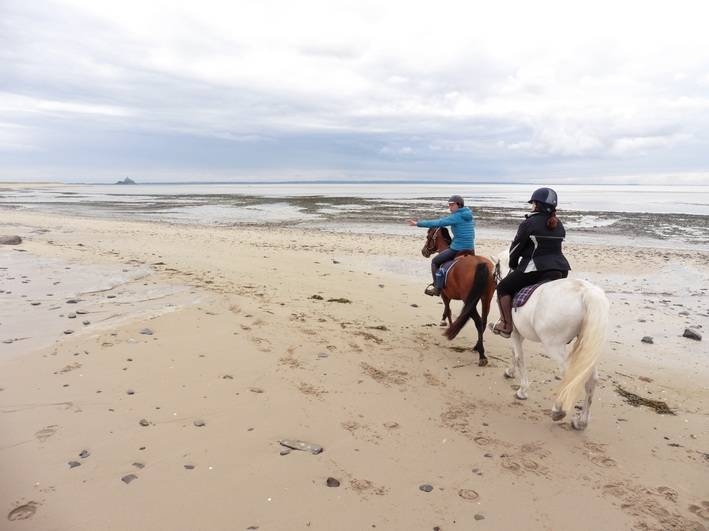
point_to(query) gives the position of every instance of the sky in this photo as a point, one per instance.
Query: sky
(504, 91)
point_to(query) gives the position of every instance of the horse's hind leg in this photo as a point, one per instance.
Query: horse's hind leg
(581, 420)
(446, 317)
(479, 347)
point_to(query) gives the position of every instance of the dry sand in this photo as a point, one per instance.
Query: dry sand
(207, 346)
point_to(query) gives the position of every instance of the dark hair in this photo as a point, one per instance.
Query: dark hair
(552, 220)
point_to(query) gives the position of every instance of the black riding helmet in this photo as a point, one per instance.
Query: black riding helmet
(457, 200)
(545, 196)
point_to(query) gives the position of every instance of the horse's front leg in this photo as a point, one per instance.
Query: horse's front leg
(446, 317)
(581, 420)
(521, 393)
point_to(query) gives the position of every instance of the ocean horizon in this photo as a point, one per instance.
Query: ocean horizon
(666, 215)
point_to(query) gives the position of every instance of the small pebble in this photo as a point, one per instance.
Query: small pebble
(286, 451)
(332, 482)
(67, 332)
(146, 332)
(130, 392)
(73, 464)
(426, 487)
(479, 516)
(647, 339)
(189, 467)
(199, 423)
(84, 454)
(144, 422)
(128, 478)
(138, 465)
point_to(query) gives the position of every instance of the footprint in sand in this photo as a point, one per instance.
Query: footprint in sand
(702, 510)
(46, 432)
(481, 440)
(603, 461)
(468, 494)
(23, 512)
(669, 493)
(512, 466)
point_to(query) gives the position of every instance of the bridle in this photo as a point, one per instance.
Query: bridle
(430, 247)
(496, 273)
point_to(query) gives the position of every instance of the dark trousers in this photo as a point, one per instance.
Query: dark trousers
(516, 280)
(440, 259)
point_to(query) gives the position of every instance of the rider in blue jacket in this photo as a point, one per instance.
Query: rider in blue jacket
(462, 226)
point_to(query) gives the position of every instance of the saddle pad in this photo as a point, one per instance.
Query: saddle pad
(442, 273)
(523, 295)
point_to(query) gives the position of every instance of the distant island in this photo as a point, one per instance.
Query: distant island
(127, 180)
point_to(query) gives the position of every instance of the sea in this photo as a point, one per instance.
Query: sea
(655, 216)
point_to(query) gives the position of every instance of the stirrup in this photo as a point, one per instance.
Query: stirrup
(432, 290)
(499, 331)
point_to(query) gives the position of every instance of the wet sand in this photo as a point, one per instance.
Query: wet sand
(227, 341)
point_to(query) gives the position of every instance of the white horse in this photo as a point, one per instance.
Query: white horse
(555, 314)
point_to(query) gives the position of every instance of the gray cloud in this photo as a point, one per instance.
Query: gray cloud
(89, 90)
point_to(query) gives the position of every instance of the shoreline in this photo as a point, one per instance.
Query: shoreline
(258, 359)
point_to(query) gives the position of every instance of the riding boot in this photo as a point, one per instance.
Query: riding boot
(432, 289)
(504, 327)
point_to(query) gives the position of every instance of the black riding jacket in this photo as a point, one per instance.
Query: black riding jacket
(537, 248)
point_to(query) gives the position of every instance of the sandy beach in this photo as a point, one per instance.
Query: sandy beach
(148, 372)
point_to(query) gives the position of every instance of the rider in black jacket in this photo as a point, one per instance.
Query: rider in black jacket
(535, 255)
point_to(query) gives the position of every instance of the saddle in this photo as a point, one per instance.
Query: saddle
(523, 295)
(442, 273)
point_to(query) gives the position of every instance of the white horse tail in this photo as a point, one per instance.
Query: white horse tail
(589, 345)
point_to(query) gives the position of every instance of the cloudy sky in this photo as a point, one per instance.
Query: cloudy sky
(602, 91)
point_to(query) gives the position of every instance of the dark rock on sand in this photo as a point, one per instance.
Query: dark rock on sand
(647, 339)
(73, 464)
(84, 454)
(199, 423)
(691, 333)
(10, 240)
(128, 478)
(332, 482)
(144, 422)
(146, 332)
(426, 487)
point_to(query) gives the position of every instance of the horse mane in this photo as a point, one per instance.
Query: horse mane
(446, 235)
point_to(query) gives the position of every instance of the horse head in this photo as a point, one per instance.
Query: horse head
(502, 264)
(430, 246)
(437, 239)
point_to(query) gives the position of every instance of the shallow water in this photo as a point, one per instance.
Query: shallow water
(675, 217)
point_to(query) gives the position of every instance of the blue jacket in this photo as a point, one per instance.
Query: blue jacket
(462, 226)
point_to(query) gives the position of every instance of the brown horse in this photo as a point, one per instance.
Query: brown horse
(471, 279)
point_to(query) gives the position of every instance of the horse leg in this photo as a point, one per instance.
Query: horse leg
(521, 393)
(558, 354)
(446, 317)
(581, 420)
(479, 347)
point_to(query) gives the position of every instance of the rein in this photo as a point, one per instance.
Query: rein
(497, 274)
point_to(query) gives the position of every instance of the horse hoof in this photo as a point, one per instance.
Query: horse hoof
(443, 323)
(557, 415)
(508, 374)
(578, 425)
(519, 396)
(482, 362)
